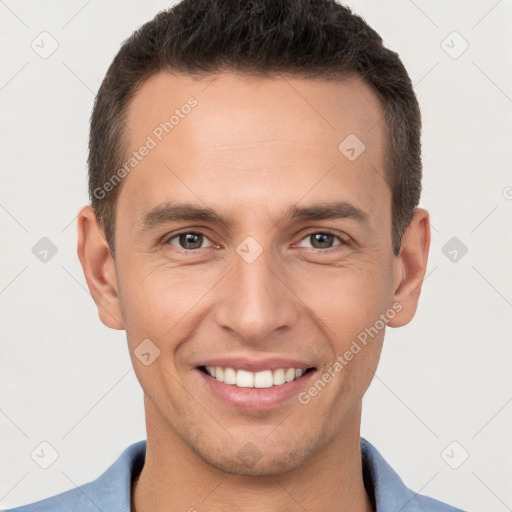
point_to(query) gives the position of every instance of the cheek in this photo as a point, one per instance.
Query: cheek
(160, 302)
(157, 311)
(344, 301)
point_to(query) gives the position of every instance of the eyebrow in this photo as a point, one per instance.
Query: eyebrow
(173, 212)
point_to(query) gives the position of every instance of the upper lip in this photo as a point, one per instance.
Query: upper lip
(253, 364)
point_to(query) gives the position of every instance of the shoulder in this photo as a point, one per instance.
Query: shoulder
(422, 503)
(82, 498)
(111, 491)
(388, 488)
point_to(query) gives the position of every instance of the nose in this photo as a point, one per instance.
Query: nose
(257, 300)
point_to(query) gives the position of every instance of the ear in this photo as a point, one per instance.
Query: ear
(410, 266)
(99, 269)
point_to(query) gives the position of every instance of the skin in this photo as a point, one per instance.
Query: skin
(251, 149)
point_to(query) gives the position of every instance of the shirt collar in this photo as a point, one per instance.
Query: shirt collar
(113, 488)
(391, 494)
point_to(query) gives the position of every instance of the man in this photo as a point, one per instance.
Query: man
(255, 174)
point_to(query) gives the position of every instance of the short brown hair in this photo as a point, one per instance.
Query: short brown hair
(302, 38)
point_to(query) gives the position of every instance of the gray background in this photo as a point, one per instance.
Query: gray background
(443, 387)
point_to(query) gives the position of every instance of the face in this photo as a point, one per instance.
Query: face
(252, 248)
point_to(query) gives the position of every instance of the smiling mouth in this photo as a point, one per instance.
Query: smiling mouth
(259, 380)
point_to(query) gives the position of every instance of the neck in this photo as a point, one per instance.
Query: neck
(173, 475)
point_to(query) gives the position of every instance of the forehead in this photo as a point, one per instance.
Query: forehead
(272, 140)
(301, 108)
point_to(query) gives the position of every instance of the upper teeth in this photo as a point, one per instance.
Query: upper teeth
(245, 379)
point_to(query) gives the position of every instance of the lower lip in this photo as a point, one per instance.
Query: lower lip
(255, 398)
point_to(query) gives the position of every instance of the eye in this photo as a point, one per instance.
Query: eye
(188, 240)
(323, 240)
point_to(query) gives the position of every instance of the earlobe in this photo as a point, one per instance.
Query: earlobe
(410, 266)
(99, 268)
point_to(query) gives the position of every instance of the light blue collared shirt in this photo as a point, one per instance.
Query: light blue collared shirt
(111, 492)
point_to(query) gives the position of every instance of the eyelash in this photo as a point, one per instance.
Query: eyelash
(323, 232)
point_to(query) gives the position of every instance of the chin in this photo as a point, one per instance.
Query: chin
(268, 465)
(261, 459)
